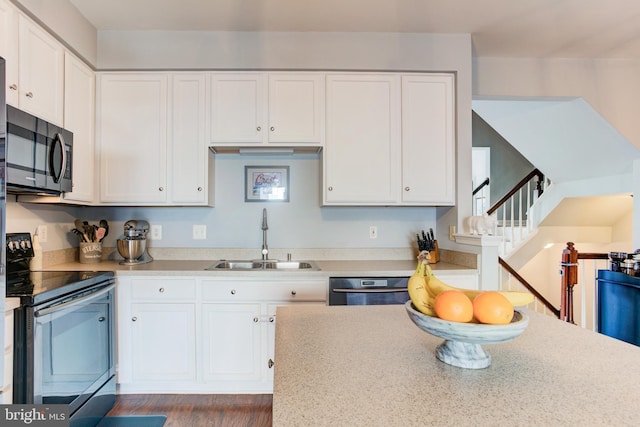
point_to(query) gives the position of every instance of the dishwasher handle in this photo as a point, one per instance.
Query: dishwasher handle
(370, 290)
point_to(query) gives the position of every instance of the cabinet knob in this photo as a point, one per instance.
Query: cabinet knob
(233, 291)
(256, 320)
(13, 87)
(199, 188)
(270, 363)
(272, 128)
(161, 290)
(160, 188)
(259, 128)
(133, 319)
(330, 188)
(29, 95)
(272, 319)
(293, 293)
(406, 189)
(101, 319)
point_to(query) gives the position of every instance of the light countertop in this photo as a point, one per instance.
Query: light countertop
(371, 366)
(355, 268)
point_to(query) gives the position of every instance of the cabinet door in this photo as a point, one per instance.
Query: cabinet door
(232, 342)
(296, 108)
(361, 155)
(188, 145)
(428, 139)
(132, 138)
(163, 342)
(79, 118)
(238, 108)
(41, 70)
(9, 49)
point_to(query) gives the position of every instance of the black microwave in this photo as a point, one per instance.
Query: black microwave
(38, 155)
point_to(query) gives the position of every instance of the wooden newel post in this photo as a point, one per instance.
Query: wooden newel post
(569, 271)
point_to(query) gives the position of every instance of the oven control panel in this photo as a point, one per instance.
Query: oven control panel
(19, 246)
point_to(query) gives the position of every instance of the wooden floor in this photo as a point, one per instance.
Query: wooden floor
(195, 410)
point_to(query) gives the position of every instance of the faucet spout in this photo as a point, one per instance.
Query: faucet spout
(265, 227)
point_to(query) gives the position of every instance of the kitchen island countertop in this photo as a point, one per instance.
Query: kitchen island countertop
(371, 366)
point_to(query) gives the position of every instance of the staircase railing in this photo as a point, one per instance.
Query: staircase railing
(540, 303)
(512, 209)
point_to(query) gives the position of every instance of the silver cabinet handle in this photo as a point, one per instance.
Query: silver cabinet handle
(259, 128)
(293, 293)
(272, 319)
(330, 188)
(270, 363)
(199, 188)
(256, 320)
(161, 290)
(133, 319)
(13, 87)
(272, 128)
(233, 291)
(160, 188)
(29, 94)
(101, 319)
(406, 189)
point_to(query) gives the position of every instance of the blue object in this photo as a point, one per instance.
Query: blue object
(133, 421)
(619, 306)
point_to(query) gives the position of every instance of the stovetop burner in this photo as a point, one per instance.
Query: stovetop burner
(34, 287)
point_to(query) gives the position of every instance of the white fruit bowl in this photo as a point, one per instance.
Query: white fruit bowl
(462, 345)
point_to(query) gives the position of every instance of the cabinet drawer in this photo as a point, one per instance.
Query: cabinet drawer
(163, 289)
(304, 290)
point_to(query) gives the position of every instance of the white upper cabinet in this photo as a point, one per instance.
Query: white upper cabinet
(390, 140)
(296, 108)
(252, 109)
(132, 137)
(35, 65)
(189, 160)
(361, 154)
(9, 48)
(79, 118)
(428, 139)
(41, 72)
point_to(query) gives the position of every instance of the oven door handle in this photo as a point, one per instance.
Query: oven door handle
(369, 291)
(74, 302)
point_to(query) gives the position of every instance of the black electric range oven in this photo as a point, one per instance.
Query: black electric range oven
(64, 348)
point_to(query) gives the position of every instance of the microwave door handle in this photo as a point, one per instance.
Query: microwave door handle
(63, 162)
(74, 302)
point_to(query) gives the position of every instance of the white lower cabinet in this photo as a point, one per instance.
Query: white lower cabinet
(203, 335)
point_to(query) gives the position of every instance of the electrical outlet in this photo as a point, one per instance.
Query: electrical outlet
(42, 233)
(199, 232)
(452, 231)
(156, 232)
(373, 232)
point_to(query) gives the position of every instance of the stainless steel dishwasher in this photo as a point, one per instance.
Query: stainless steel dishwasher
(368, 290)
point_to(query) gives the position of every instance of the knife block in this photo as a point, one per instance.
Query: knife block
(435, 253)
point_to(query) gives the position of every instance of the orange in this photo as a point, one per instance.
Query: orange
(454, 306)
(492, 308)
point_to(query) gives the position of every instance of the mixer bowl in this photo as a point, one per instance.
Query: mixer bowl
(131, 249)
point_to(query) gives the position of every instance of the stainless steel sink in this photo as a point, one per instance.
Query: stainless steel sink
(249, 265)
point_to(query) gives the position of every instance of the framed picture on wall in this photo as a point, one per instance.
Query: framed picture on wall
(266, 183)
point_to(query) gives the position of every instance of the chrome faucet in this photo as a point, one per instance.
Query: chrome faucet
(265, 227)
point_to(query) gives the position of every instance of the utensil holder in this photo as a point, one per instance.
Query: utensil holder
(435, 253)
(90, 252)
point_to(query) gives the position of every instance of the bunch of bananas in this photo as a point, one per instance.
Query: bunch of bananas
(424, 287)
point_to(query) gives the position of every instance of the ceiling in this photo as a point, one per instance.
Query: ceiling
(514, 28)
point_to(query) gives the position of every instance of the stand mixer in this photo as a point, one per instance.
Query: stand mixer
(133, 246)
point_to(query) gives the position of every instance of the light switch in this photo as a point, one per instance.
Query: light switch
(199, 232)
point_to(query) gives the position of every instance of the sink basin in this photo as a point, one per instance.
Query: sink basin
(244, 265)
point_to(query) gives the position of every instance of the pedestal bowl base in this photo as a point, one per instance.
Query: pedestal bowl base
(463, 355)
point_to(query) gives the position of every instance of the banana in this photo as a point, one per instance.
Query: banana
(420, 297)
(435, 286)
